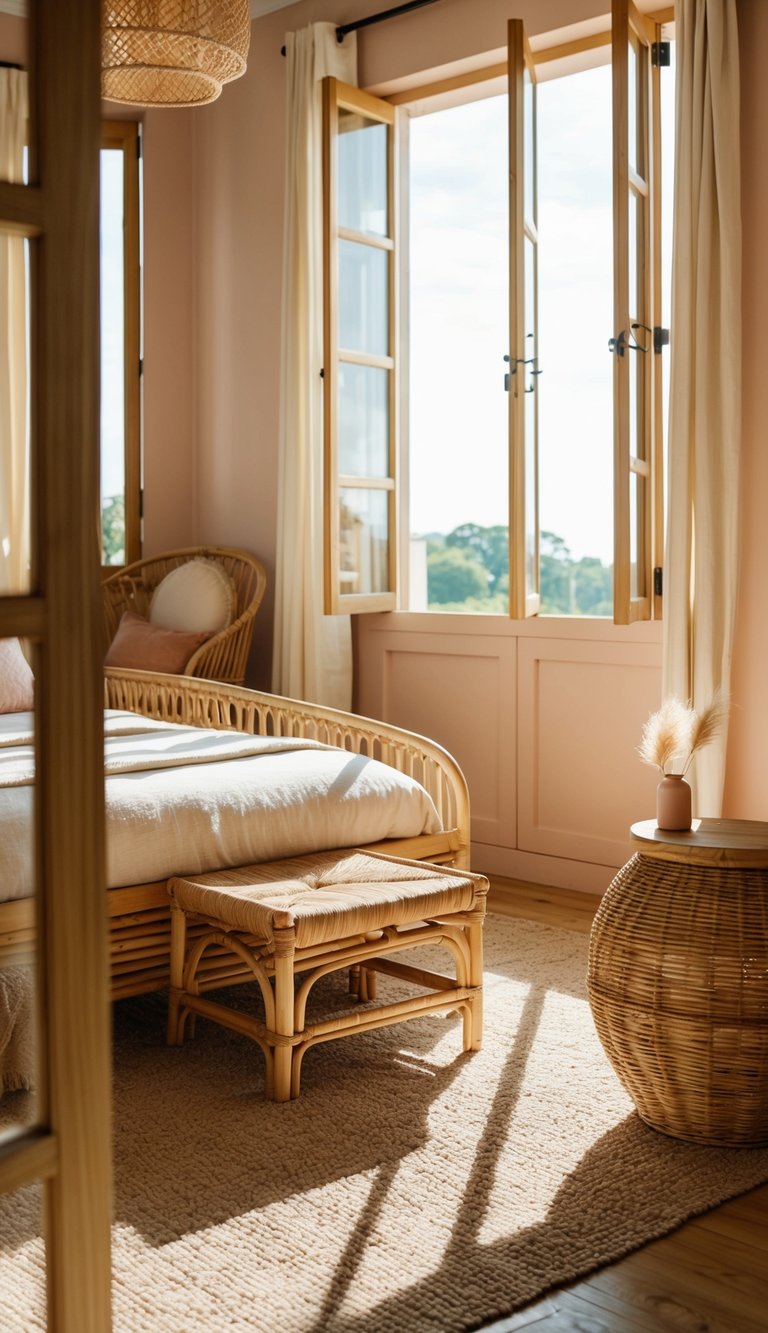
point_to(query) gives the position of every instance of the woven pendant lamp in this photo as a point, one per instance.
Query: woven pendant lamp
(172, 52)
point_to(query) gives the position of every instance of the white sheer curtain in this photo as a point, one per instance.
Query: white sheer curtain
(705, 388)
(14, 463)
(313, 652)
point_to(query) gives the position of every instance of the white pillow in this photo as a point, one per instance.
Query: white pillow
(197, 597)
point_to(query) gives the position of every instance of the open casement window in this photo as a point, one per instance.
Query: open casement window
(120, 345)
(524, 575)
(638, 338)
(359, 355)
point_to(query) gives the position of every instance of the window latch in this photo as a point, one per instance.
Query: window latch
(520, 361)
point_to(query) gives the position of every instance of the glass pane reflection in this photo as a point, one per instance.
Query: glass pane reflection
(363, 298)
(529, 127)
(632, 109)
(364, 541)
(18, 1009)
(637, 561)
(15, 496)
(362, 169)
(13, 120)
(363, 421)
(112, 254)
(635, 240)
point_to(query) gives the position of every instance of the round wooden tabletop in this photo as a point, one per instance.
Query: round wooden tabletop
(741, 843)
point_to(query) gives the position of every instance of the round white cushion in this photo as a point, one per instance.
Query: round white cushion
(196, 596)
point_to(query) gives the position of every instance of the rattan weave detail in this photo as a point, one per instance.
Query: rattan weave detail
(172, 52)
(224, 656)
(678, 984)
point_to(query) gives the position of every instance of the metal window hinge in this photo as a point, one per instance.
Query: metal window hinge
(661, 54)
(660, 338)
(658, 581)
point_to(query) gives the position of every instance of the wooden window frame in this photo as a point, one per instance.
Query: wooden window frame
(448, 91)
(634, 596)
(69, 1147)
(524, 594)
(339, 96)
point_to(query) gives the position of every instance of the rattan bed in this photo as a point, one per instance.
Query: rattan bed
(139, 916)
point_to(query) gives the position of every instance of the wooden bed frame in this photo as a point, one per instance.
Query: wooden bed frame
(139, 916)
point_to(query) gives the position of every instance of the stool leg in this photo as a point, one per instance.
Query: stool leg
(473, 1039)
(175, 1031)
(284, 1012)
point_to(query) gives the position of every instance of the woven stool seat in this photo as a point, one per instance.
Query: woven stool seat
(316, 914)
(326, 896)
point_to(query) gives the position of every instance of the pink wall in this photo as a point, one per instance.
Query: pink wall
(747, 783)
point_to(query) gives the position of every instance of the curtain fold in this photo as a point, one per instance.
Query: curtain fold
(313, 652)
(701, 559)
(14, 453)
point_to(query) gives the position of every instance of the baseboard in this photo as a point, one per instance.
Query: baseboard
(581, 876)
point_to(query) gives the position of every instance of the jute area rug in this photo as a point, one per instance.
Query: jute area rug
(409, 1190)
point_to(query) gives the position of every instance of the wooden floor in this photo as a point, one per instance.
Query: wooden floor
(710, 1276)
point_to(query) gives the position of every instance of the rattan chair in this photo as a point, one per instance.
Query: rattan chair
(224, 656)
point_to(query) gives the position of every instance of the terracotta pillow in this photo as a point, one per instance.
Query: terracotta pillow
(17, 684)
(145, 647)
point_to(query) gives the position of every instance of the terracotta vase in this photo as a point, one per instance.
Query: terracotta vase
(673, 803)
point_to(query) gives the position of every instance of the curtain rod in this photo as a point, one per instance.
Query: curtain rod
(9, 64)
(342, 31)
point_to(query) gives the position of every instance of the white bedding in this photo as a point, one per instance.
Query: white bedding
(184, 800)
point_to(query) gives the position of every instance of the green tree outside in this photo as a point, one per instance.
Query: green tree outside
(113, 530)
(468, 570)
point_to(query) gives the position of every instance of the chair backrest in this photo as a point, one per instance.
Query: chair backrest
(224, 655)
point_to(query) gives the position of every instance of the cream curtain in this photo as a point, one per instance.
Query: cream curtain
(705, 388)
(313, 652)
(14, 459)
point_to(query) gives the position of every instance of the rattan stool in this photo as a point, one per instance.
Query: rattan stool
(678, 980)
(317, 914)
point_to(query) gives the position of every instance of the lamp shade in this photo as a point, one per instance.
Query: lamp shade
(172, 52)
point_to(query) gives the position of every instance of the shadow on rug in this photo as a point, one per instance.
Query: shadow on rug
(410, 1189)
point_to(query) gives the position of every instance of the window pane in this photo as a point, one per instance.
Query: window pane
(530, 387)
(18, 1007)
(635, 239)
(363, 421)
(459, 334)
(636, 535)
(632, 106)
(112, 358)
(13, 114)
(635, 433)
(363, 298)
(575, 321)
(362, 174)
(15, 372)
(364, 541)
(529, 122)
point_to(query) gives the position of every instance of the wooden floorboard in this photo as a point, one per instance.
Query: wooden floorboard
(709, 1276)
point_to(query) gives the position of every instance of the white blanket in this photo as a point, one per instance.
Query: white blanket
(185, 800)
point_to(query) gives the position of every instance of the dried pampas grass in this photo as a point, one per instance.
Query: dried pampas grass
(672, 736)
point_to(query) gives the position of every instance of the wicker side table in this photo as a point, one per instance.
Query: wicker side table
(678, 979)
